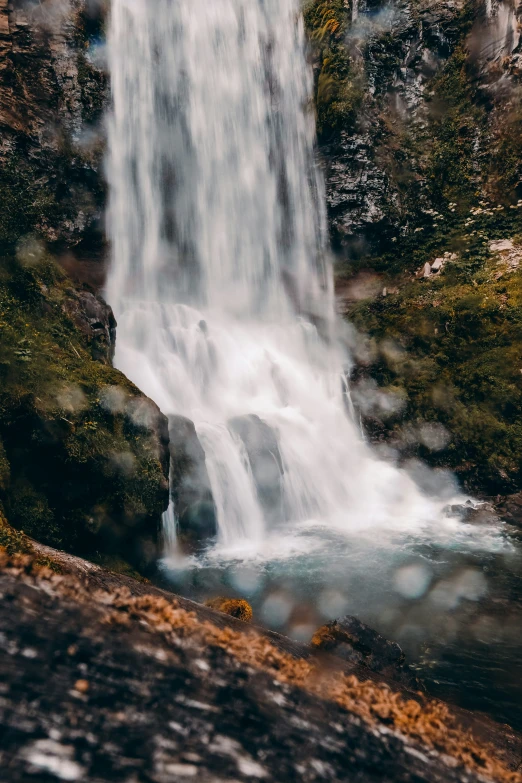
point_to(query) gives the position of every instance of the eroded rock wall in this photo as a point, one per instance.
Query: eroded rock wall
(417, 109)
(52, 92)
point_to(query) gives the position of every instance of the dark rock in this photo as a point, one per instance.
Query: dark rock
(510, 509)
(262, 449)
(190, 485)
(102, 703)
(52, 95)
(359, 192)
(475, 514)
(352, 640)
(95, 319)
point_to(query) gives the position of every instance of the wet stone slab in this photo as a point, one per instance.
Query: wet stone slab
(80, 700)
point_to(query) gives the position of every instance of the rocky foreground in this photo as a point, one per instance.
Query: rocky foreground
(107, 679)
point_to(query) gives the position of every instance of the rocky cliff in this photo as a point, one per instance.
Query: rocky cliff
(52, 93)
(420, 127)
(418, 110)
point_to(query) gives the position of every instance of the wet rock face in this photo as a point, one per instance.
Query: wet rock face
(399, 48)
(510, 509)
(53, 91)
(352, 640)
(95, 319)
(190, 486)
(262, 450)
(359, 192)
(382, 169)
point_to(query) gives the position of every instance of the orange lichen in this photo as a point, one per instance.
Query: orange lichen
(234, 607)
(327, 637)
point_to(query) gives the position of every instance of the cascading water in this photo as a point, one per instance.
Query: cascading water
(223, 293)
(220, 277)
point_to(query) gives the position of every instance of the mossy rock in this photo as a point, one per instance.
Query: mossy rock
(116, 565)
(88, 453)
(15, 542)
(352, 640)
(457, 362)
(339, 87)
(5, 469)
(234, 607)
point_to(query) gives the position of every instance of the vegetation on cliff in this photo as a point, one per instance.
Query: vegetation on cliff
(338, 83)
(84, 461)
(450, 348)
(429, 162)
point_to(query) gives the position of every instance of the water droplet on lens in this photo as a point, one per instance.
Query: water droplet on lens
(412, 581)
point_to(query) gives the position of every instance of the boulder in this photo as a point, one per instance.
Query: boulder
(352, 640)
(190, 486)
(262, 449)
(474, 513)
(91, 694)
(84, 459)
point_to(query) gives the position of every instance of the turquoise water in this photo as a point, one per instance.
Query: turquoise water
(455, 610)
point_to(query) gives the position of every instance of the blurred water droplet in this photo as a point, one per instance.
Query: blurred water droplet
(471, 584)
(246, 581)
(412, 581)
(302, 632)
(113, 399)
(276, 609)
(332, 604)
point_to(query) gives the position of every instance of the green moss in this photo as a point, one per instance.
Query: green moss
(84, 459)
(339, 86)
(461, 337)
(117, 565)
(458, 125)
(5, 470)
(29, 511)
(15, 542)
(27, 200)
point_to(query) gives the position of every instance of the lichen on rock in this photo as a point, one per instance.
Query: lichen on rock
(234, 607)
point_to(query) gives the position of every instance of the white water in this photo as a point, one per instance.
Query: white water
(220, 277)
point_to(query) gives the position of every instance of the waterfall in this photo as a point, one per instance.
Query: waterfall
(220, 278)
